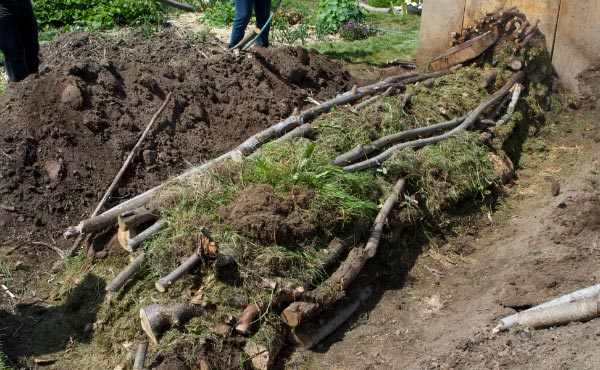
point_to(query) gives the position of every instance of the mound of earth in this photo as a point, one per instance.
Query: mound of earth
(65, 133)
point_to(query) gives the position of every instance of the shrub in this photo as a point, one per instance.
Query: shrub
(350, 31)
(220, 14)
(97, 14)
(384, 3)
(332, 13)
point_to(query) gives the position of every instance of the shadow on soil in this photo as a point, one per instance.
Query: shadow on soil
(35, 330)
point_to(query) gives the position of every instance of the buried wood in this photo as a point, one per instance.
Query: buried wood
(157, 319)
(466, 124)
(361, 151)
(122, 170)
(109, 217)
(140, 356)
(126, 274)
(576, 296)
(312, 335)
(135, 242)
(263, 348)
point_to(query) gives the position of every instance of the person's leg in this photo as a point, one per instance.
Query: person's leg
(29, 34)
(243, 12)
(262, 10)
(11, 45)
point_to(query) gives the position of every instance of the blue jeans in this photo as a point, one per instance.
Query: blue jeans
(19, 39)
(243, 12)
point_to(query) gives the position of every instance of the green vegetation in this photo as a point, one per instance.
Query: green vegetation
(398, 36)
(220, 13)
(69, 15)
(332, 13)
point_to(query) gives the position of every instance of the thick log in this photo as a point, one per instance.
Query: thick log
(362, 151)
(463, 52)
(576, 296)
(516, 64)
(311, 336)
(264, 346)
(126, 274)
(157, 319)
(466, 124)
(297, 312)
(135, 242)
(140, 356)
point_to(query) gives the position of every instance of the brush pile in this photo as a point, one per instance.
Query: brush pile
(277, 240)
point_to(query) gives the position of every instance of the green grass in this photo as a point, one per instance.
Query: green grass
(397, 39)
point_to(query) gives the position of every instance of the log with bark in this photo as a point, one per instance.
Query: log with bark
(466, 124)
(134, 243)
(207, 248)
(311, 335)
(140, 356)
(157, 319)
(126, 274)
(576, 296)
(361, 151)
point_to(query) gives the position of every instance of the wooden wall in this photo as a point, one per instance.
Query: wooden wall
(571, 28)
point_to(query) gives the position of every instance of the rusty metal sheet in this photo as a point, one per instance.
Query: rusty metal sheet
(544, 10)
(439, 18)
(577, 45)
(463, 52)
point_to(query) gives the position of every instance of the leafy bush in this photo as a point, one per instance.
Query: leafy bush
(220, 14)
(332, 13)
(97, 14)
(351, 31)
(384, 3)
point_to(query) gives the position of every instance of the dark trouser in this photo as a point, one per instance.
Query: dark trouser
(243, 12)
(19, 39)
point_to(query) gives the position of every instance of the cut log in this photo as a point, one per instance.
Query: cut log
(463, 52)
(250, 313)
(165, 283)
(576, 296)
(134, 243)
(130, 222)
(487, 80)
(157, 319)
(516, 64)
(126, 274)
(466, 124)
(140, 356)
(299, 311)
(263, 348)
(311, 336)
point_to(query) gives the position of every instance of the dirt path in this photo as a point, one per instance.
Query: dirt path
(535, 247)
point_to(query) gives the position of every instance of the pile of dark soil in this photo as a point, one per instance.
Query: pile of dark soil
(65, 133)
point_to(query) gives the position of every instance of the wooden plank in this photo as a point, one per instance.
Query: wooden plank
(439, 18)
(577, 44)
(463, 52)
(544, 10)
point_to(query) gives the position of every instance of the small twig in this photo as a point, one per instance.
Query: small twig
(58, 251)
